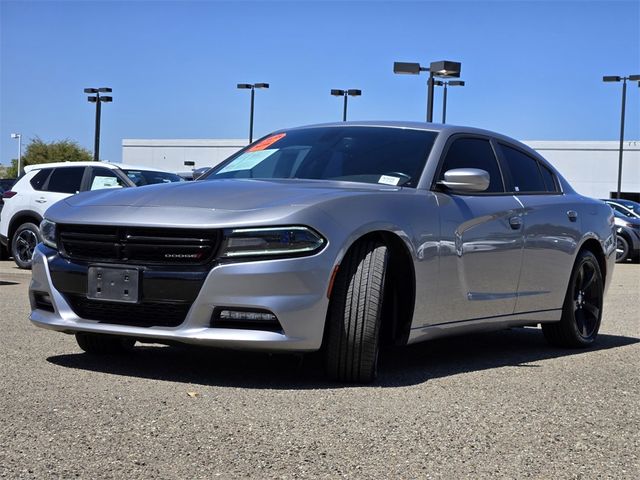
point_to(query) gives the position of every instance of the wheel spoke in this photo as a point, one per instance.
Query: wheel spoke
(592, 309)
(579, 278)
(580, 323)
(588, 280)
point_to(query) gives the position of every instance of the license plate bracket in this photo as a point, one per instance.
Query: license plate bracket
(113, 284)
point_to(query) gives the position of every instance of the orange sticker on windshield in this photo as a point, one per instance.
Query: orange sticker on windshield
(266, 143)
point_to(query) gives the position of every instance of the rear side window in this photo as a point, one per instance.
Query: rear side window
(66, 180)
(40, 178)
(474, 153)
(525, 174)
(549, 179)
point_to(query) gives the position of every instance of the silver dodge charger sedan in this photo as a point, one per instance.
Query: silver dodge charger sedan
(340, 237)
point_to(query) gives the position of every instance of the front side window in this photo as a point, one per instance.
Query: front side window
(66, 180)
(388, 156)
(474, 153)
(525, 174)
(104, 178)
(151, 177)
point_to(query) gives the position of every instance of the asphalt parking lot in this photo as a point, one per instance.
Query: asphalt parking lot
(500, 405)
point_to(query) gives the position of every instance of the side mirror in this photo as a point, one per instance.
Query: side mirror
(466, 180)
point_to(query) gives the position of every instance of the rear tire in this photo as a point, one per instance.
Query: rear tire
(23, 243)
(582, 309)
(355, 311)
(100, 344)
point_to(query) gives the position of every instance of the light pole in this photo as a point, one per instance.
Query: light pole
(97, 99)
(19, 137)
(253, 87)
(613, 78)
(440, 69)
(345, 93)
(445, 84)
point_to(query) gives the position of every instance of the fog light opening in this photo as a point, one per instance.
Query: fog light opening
(43, 301)
(245, 319)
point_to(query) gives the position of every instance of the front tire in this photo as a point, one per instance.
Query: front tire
(622, 249)
(100, 344)
(355, 310)
(23, 244)
(582, 309)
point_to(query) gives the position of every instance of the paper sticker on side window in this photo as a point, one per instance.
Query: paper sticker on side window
(389, 180)
(267, 142)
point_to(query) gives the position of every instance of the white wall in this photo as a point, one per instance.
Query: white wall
(592, 167)
(171, 154)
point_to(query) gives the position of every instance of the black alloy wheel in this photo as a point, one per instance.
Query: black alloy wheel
(23, 244)
(587, 300)
(582, 310)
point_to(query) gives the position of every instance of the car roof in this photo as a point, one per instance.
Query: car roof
(112, 166)
(447, 129)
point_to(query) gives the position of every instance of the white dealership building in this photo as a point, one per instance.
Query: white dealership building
(590, 166)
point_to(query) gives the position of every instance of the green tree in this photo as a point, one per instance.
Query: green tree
(38, 151)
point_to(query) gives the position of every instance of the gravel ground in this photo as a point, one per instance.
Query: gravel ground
(500, 405)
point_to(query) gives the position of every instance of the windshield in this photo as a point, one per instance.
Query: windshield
(150, 177)
(633, 206)
(389, 156)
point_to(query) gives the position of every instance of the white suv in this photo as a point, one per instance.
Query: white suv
(43, 185)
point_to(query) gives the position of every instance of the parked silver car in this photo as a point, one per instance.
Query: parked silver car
(342, 237)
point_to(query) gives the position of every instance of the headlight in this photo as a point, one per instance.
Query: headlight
(271, 242)
(48, 232)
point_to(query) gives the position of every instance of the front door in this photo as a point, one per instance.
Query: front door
(481, 239)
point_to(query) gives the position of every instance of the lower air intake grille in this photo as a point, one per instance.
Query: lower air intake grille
(145, 314)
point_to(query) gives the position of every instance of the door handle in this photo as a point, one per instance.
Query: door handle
(515, 222)
(41, 200)
(573, 215)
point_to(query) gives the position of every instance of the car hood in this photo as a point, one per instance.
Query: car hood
(218, 203)
(230, 194)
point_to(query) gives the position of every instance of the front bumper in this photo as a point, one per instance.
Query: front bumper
(293, 289)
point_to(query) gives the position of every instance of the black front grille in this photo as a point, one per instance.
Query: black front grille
(145, 314)
(139, 245)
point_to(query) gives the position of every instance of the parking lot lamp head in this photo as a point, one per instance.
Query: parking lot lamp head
(439, 69)
(252, 87)
(616, 78)
(445, 84)
(18, 137)
(98, 100)
(353, 92)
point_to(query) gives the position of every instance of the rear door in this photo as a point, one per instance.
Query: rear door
(551, 230)
(481, 239)
(61, 183)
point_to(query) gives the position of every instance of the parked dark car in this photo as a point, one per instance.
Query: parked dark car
(625, 207)
(627, 237)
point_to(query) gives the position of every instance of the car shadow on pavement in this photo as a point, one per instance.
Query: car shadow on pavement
(415, 364)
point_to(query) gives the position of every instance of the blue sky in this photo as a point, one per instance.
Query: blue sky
(533, 69)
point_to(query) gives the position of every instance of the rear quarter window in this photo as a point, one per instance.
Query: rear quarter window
(525, 173)
(40, 178)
